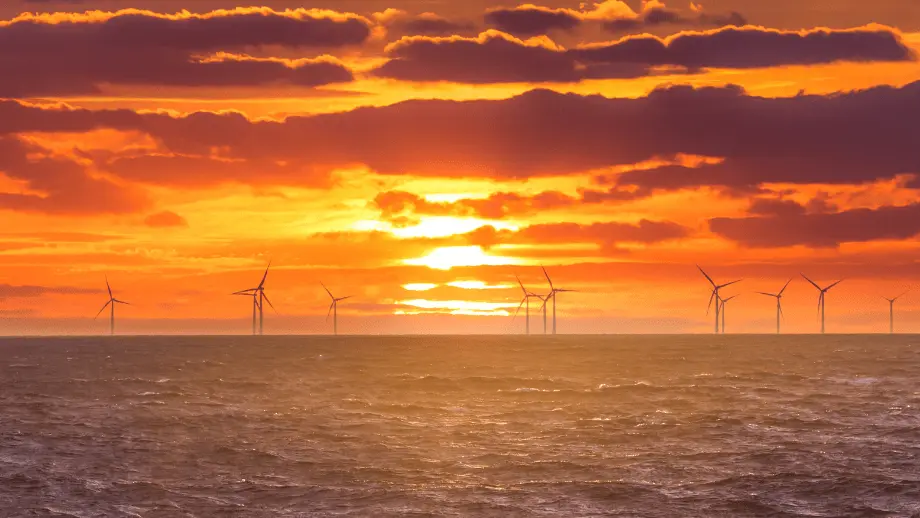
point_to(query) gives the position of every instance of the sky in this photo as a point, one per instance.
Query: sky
(418, 155)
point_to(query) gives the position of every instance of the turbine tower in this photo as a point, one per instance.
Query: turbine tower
(258, 299)
(822, 292)
(724, 301)
(779, 307)
(715, 294)
(112, 301)
(526, 300)
(334, 309)
(891, 311)
(552, 293)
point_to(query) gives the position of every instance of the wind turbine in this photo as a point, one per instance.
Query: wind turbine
(822, 291)
(779, 307)
(552, 293)
(112, 301)
(258, 299)
(891, 311)
(724, 301)
(334, 309)
(526, 300)
(715, 294)
(255, 304)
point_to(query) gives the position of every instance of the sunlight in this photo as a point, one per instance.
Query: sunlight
(478, 285)
(447, 257)
(420, 286)
(444, 226)
(458, 305)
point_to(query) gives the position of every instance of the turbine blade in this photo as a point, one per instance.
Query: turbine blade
(784, 287)
(244, 292)
(521, 283)
(729, 283)
(767, 294)
(108, 287)
(550, 281)
(121, 302)
(901, 295)
(832, 285)
(270, 303)
(544, 303)
(728, 299)
(780, 305)
(327, 290)
(330, 311)
(708, 278)
(343, 298)
(265, 276)
(709, 306)
(519, 308)
(103, 309)
(811, 281)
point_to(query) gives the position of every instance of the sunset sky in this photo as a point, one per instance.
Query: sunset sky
(417, 154)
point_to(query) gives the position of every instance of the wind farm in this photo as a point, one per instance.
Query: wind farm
(258, 302)
(779, 304)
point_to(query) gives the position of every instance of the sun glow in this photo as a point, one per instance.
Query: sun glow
(458, 305)
(478, 285)
(444, 226)
(419, 286)
(447, 257)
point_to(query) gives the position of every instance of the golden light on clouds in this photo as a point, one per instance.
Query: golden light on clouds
(447, 257)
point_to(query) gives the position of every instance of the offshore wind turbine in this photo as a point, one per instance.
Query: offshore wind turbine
(111, 302)
(779, 307)
(891, 311)
(259, 298)
(715, 294)
(822, 292)
(552, 293)
(334, 309)
(724, 301)
(525, 301)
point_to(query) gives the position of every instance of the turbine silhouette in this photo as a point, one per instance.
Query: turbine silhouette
(111, 302)
(822, 292)
(715, 294)
(724, 301)
(334, 309)
(779, 306)
(891, 311)
(552, 294)
(525, 301)
(258, 299)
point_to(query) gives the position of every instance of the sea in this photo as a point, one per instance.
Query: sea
(570, 426)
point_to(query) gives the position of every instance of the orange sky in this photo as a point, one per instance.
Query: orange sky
(419, 161)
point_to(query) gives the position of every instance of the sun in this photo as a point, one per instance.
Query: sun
(447, 257)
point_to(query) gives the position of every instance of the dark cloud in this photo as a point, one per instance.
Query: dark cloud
(59, 185)
(495, 57)
(790, 228)
(805, 139)
(76, 54)
(654, 17)
(426, 24)
(165, 219)
(752, 47)
(531, 20)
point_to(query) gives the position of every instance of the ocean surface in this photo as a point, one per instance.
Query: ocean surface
(664, 426)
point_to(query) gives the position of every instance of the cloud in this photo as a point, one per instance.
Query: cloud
(655, 14)
(165, 219)
(59, 185)
(491, 57)
(806, 139)
(399, 205)
(496, 57)
(424, 24)
(76, 53)
(532, 20)
(752, 47)
(796, 227)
